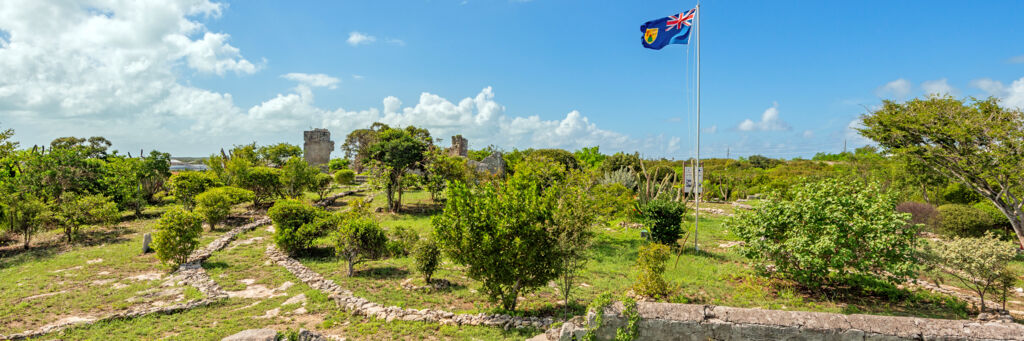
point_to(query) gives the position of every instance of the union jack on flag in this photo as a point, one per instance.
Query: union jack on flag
(673, 29)
(677, 21)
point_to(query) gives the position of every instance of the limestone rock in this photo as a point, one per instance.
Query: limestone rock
(146, 240)
(253, 335)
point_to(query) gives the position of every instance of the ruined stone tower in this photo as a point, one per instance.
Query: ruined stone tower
(460, 146)
(318, 147)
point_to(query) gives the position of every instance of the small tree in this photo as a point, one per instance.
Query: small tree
(295, 224)
(297, 176)
(321, 185)
(72, 212)
(500, 233)
(264, 182)
(345, 177)
(427, 257)
(186, 185)
(979, 263)
(215, 204)
(177, 235)
(571, 229)
(442, 168)
(827, 231)
(650, 265)
(394, 152)
(22, 213)
(358, 240)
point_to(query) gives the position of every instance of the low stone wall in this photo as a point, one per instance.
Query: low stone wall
(357, 305)
(667, 321)
(200, 255)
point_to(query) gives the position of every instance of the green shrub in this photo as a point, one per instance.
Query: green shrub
(336, 165)
(264, 182)
(186, 185)
(611, 200)
(663, 218)
(957, 193)
(402, 241)
(996, 216)
(828, 231)
(981, 264)
(295, 225)
(358, 240)
(215, 204)
(345, 177)
(958, 220)
(650, 265)
(297, 176)
(76, 211)
(427, 256)
(177, 235)
(321, 185)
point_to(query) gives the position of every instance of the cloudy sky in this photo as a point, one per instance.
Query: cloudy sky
(782, 79)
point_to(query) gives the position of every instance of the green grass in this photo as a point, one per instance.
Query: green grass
(716, 275)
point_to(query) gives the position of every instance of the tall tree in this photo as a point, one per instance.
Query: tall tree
(357, 144)
(278, 154)
(395, 152)
(7, 146)
(977, 143)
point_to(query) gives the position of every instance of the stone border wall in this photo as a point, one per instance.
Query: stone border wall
(191, 273)
(668, 321)
(361, 306)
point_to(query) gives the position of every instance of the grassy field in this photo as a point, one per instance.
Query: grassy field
(716, 275)
(53, 281)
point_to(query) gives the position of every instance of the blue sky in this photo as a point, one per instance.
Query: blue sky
(800, 72)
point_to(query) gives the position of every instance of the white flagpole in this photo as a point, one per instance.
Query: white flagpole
(696, 170)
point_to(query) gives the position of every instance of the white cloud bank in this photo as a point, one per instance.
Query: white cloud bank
(938, 87)
(113, 68)
(770, 121)
(1012, 96)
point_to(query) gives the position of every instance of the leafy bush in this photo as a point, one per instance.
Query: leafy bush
(177, 235)
(620, 161)
(297, 176)
(345, 177)
(663, 218)
(336, 165)
(567, 159)
(358, 240)
(295, 225)
(979, 263)
(215, 204)
(828, 231)
(957, 193)
(264, 182)
(426, 256)
(611, 201)
(624, 177)
(402, 241)
(920, 213)
(963, 221)
(996, 216)
(74, 211)
(651, 265)
(186, 185)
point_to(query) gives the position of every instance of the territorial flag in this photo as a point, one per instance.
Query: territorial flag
(674, 29)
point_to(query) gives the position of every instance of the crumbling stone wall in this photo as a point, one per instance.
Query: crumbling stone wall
(667, 321)
(318, 146)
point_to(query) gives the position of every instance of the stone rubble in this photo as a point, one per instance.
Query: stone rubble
(357, 305)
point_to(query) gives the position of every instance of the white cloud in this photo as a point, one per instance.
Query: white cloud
(1017, 59)
(711, 130)
(808, 134)
(396, 42)
(357, 38)
(115, 70)
(357, 77)
(938, 87)
(1015, 94)
(770, 121)
(313, 80)
(898, 89)
(990, 87)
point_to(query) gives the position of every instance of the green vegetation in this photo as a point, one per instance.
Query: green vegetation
(651, 262)
(358, 239)
(177, 235)
(295, 226)
(981, 264)
(830, 232)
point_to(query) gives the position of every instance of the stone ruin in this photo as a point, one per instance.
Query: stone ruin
(494, 163)
(460, 146)
(318, 146)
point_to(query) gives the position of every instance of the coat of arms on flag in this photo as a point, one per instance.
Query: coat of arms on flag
(674, 29)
